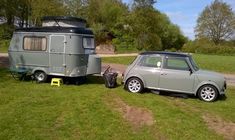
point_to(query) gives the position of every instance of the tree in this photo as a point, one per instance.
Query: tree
(42, 8)
(9, 10)
(103, 17)
(216, 22)
(143, 3)
(33, 10)
(76, 7)
(153, 30)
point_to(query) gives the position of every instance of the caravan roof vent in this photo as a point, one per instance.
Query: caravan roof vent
(63, 21)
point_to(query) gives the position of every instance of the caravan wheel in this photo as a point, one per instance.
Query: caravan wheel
(40, 76)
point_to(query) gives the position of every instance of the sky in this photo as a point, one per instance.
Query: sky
(184, 13)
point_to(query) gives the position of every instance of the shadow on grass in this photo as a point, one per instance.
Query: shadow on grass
(5, 74)
(222, 97)
(181, 95)
(66, 80)
(2, 71)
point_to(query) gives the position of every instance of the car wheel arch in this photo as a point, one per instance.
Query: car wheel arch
(208, 93)
(206, 83)
(39, 70)
(134, 76)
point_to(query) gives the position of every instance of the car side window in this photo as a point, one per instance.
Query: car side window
(151, 61)
(176, 63)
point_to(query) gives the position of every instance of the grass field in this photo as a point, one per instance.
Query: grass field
(3, 49)
(4, 46)
(91, 111)
(224, 64)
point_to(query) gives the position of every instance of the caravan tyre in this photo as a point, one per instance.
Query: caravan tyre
(40, 76)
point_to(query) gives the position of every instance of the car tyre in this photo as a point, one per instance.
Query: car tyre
(40, 76)
(134, 85)
(208, 93)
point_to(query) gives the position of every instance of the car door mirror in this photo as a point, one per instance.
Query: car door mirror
(190, 70)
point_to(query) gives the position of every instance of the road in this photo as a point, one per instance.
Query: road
(230, 78)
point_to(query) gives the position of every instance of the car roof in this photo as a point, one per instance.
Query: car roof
(176, 54)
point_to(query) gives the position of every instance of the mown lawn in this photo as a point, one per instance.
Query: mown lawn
(225, 64)
(40, 111)
(4, 44)
(3, 49)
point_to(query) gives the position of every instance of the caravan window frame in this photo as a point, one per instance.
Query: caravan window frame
(91, 37)
(42, 37)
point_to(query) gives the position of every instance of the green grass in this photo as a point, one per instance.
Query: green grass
(3, 49)
(40, 111)
(126, 50)
(4, 44)
(224, 64)
(126, 60)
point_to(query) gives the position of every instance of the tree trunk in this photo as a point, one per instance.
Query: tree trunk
(9, 20)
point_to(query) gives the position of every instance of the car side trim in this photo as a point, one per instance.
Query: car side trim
(163, 89)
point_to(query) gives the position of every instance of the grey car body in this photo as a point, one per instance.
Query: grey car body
(54, 50)
(174, 72)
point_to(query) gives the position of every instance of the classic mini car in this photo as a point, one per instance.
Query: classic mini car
(175, 72)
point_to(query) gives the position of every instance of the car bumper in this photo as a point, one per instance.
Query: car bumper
(223, 91)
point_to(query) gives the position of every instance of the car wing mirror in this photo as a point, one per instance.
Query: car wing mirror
(191, 71)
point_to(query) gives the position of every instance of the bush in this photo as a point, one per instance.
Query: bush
(4, 44)
(171, 50)
(124, 44)
(6, 31)
(148, 42)
(207, 47)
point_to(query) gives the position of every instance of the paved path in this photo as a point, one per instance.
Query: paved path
(230, 78)
(4, 61)
(4, 54)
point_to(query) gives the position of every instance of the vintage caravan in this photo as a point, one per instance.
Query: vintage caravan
(63, 46)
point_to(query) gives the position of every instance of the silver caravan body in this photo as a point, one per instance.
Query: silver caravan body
(55, 50)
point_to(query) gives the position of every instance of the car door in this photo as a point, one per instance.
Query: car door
(176, 75)
(149, 68)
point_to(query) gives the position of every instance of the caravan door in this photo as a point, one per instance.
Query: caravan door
(57, 55)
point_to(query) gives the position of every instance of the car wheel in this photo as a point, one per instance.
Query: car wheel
(135, 85)
(40, 76)
(208, 93)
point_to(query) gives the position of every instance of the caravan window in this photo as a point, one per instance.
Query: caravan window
(88, 43)
(35, 43)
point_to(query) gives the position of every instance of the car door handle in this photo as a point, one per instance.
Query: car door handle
(163, 73)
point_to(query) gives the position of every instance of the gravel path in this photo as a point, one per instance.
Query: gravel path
(3, 54)
(4, 61)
